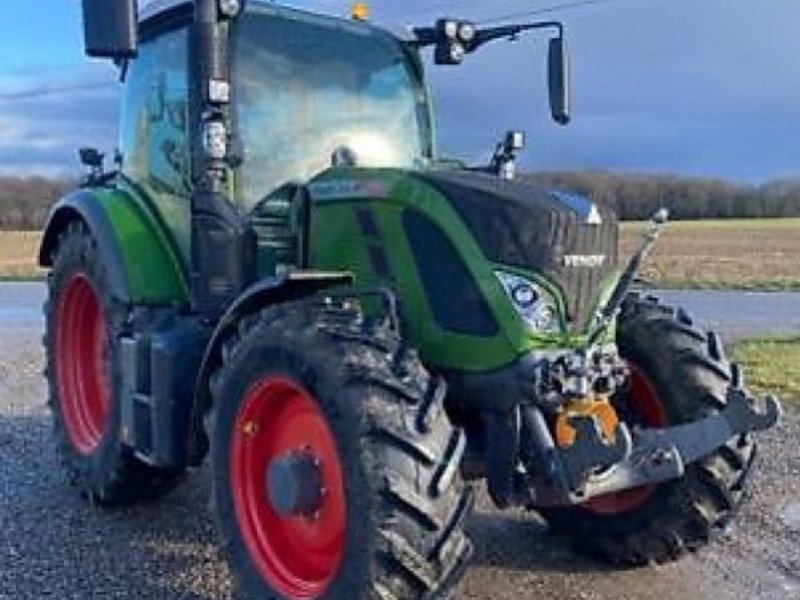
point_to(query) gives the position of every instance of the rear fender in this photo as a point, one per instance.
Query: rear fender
(142, 266)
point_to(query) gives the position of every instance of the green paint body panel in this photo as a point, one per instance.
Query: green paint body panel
(338, 243)
(156, 264)
(154, 268)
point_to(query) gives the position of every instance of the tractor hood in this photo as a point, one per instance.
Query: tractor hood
(564, 237)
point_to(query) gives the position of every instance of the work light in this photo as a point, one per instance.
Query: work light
(457, 52)
(466, 32)
(230, 8)
(215, 140)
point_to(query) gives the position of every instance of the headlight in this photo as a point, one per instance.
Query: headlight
(532, 302)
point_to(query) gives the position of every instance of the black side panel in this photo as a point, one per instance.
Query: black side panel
(456, 302)
(160, 363)
(514, 224)
(224, 259)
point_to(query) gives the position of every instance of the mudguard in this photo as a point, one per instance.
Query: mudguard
(143, 265)
(264, 293)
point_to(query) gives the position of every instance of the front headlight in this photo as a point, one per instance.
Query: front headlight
(533, 303)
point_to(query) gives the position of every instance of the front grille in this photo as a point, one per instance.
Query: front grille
(580, 283)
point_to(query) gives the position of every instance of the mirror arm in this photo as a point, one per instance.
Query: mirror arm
(424, 36)
(484, 36)
(430, 36)
(123, 65)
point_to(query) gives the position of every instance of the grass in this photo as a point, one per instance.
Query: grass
(771, 366)
(754, 254)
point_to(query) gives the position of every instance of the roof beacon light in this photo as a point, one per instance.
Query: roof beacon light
(360, 11)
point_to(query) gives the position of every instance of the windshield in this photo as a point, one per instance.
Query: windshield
(307, 85)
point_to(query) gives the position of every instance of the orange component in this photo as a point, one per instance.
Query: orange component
(360, 11)
(597, 407)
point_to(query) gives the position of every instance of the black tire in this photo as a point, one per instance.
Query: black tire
(109, 474)
(399, 454)
(690, 375)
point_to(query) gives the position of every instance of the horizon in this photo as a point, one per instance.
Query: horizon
(73, 177)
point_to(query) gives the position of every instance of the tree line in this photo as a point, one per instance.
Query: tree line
(636, 197)
(26, 201)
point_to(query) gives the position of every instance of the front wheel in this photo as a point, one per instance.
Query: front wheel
(335, 466)
(679, 374)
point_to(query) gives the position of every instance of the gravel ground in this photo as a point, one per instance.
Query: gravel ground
(55, 545)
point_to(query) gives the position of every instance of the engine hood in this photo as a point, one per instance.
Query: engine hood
(566, 237)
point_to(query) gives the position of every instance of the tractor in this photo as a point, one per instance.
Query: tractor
(279, 274)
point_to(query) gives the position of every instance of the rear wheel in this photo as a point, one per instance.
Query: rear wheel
(83, 323)
(678, 374)
(335, 466)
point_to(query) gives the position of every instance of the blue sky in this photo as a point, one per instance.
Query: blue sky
(40, 33)
(697, 87)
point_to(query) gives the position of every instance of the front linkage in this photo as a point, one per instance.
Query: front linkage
(590, 452)
(597, 458)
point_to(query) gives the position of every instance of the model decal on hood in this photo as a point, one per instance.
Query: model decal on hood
(346, 190)
(587, 261)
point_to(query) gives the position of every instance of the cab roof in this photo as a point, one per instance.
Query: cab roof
(154, 10)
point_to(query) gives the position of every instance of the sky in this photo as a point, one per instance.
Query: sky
(695, 87)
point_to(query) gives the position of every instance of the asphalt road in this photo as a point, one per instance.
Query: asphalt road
(55, 545)
(734, 314)
(741, 314)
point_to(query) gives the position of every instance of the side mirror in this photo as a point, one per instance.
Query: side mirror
(558, 76)
(110, 28)
(514, 141)
(91, 158)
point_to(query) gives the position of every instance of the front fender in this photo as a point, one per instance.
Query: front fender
(260, 295)
(143, 267)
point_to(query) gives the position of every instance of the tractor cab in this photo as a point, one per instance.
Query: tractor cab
(307, 93)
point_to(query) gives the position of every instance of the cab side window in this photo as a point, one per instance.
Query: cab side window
(154, 126)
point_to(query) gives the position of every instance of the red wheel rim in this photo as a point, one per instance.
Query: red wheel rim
(643, 402)
(299, 556)
(81, 364)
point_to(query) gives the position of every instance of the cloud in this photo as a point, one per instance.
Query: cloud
(702, 88)
(710, 92)
(41, 133)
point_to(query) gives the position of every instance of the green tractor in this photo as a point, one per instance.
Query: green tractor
(281, 275)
